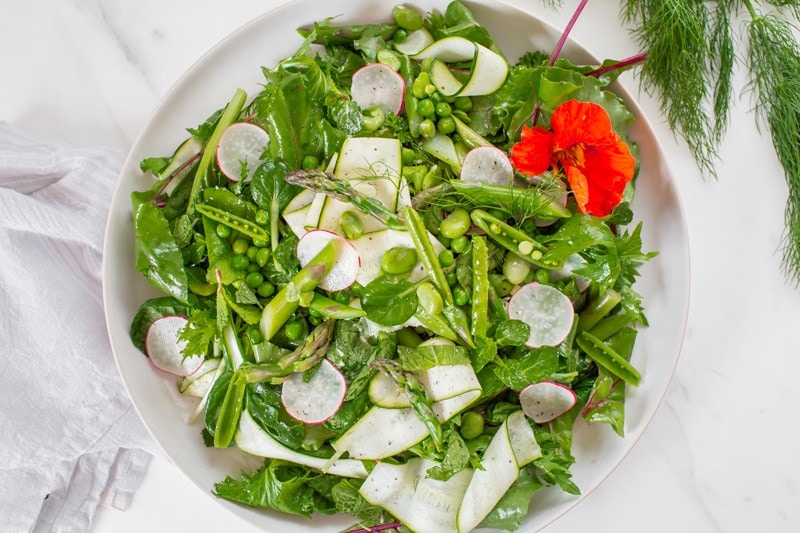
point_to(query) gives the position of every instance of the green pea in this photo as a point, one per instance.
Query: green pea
(427, 128)
(407, 18)
(351, 225)
(223, 231)
(254, 279)
(455, 224)
(543, 276)
(240, 262)
(240, 246)
(432, 91)
(293, 330)
(471, 425)
(460, 295)
(310, 162)
(446, 258)
(262, 217)
(463, 103)
(262, 256)
(429, 298)
(426, 107)
(399, 260)
(266, 289)
(443, 109)
(446, 125)
(251, 253)
(451, 278)
(315, 320)
(400, 36)
(252, 267)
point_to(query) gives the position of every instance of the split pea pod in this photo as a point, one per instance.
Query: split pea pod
(230, 412)
(511, 238)
(604, 355)
(235, 222)
(597, 309)
(287, 300)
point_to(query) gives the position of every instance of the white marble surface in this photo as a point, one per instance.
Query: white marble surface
(721, 452)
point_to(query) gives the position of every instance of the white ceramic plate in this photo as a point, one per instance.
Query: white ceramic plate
(236, 62)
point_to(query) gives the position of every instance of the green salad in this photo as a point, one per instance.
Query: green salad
(399, 273)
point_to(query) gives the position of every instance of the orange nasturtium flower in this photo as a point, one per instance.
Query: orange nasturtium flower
(596, 161)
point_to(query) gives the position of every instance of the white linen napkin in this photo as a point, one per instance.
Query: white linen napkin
(69, 435)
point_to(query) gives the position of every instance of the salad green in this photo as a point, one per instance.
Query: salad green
(429, 302)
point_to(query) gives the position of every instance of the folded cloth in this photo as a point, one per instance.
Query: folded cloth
(69, 435)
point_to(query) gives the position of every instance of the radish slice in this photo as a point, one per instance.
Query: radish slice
(546, 401)
(164, 348)
(241, 145)
(547, 311)
(378, 85)
(348, 262)
(487, 164)
(316, 400)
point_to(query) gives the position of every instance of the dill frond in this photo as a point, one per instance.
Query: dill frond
(774, 65)
(677, 37)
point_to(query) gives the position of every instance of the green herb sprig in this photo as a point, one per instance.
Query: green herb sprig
(692, 48)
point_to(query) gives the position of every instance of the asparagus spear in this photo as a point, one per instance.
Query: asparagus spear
(287, 300)
(319, 181)
(415, 393)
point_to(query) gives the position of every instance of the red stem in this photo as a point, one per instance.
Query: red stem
(559, 46)
(633, 60)
(567, 30)
(378, 528)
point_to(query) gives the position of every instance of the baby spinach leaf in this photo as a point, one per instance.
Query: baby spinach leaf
(158, 256)
(389, 302)
(150, 311)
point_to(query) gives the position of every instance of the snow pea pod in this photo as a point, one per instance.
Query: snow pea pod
(480, 286)
(242, 225)
(604, 355)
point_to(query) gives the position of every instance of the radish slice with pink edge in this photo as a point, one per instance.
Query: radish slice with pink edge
(487, 164)
(377, 85)
(164, 347)
(240, 148)
(345, 269)
(317, 399)
(547, 400)
(548, 312)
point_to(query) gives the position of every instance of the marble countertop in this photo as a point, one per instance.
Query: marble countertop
(721, 451)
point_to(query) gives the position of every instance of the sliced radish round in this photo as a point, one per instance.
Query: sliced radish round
(241, 144)
(378, 85)
(316, 400)
(548, 312)
(345, 269)
(487, 164)
(164, 347)
(546, 401)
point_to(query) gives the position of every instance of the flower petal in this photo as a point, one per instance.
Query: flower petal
(598, 184)
(533, 153)
(575, 122)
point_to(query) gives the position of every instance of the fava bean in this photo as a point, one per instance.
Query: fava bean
(455, 224)
(351, 225)
(399, 260)
(471, 425)
(407, 18)
(429, 298)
